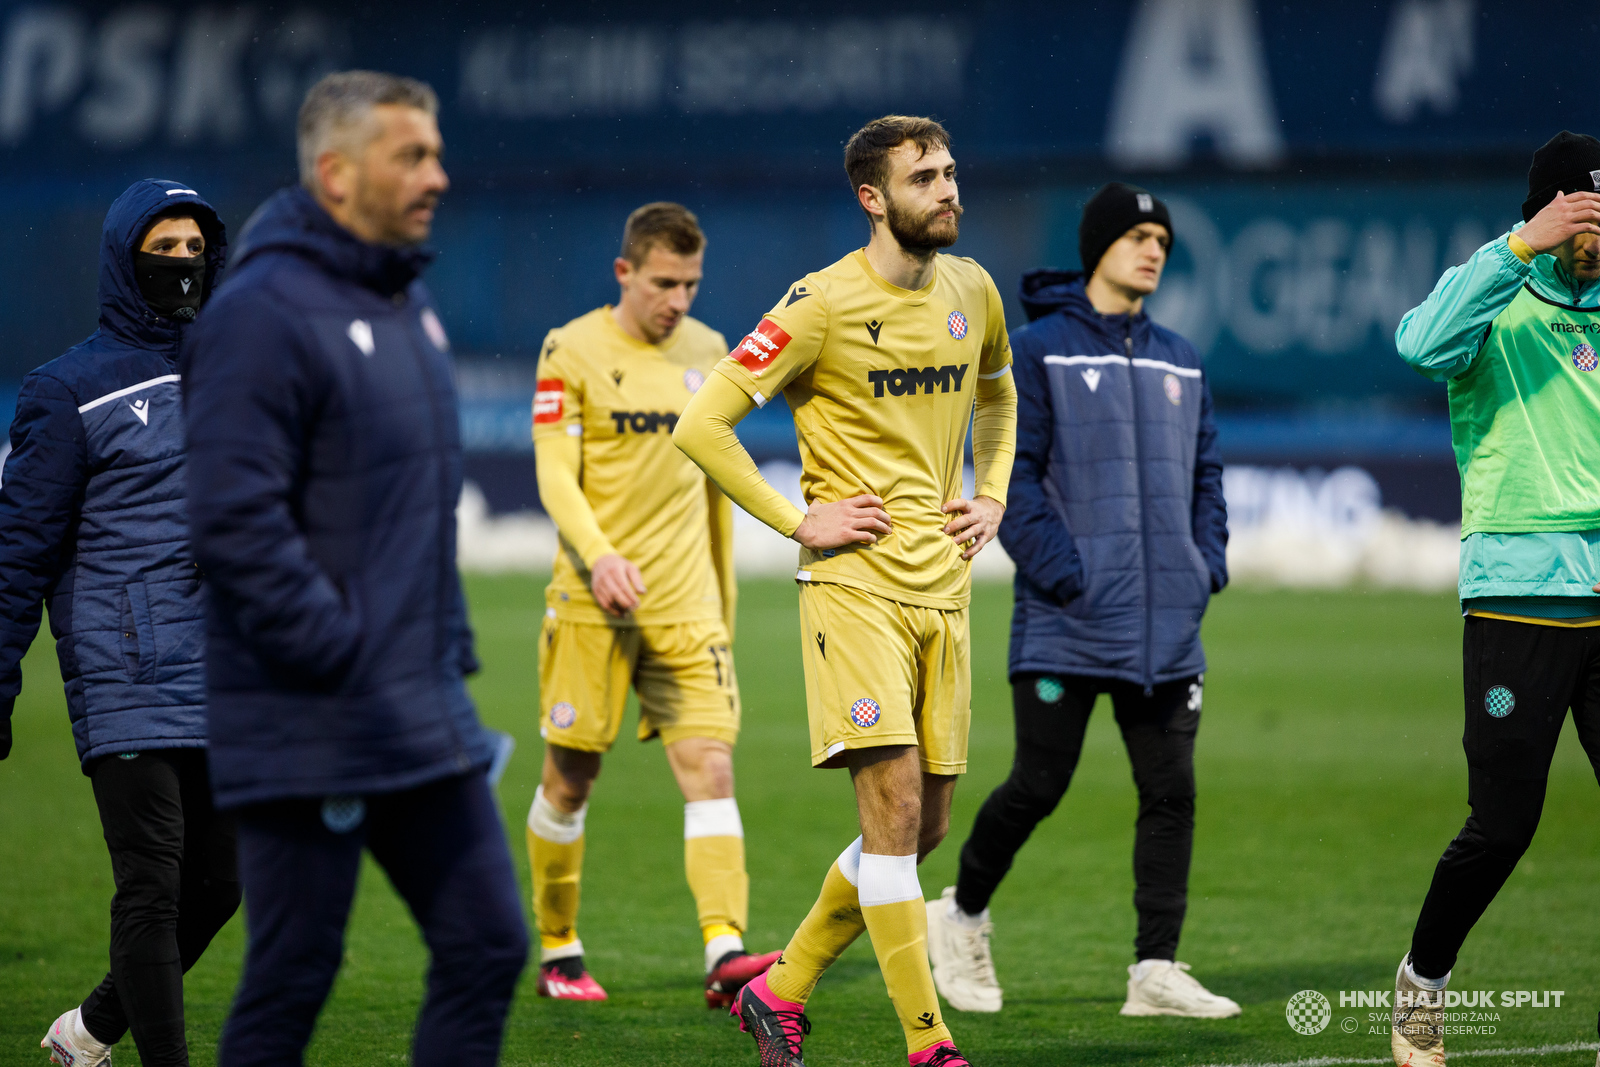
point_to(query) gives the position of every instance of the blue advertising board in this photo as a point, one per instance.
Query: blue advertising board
(531, 95)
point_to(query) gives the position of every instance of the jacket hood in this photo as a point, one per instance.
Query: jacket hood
(1046, 291)
(124, 312)
(292, 221)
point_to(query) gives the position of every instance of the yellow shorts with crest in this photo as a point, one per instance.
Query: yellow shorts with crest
(683, 673)
(879, 672)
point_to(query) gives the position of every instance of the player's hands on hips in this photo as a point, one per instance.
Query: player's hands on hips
(860, 520)
(975, 524)
(617, 584)
(1568, 214)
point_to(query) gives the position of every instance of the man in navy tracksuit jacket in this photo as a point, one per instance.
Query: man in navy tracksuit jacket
(92, 523)
(1118, 528)
(322, 491)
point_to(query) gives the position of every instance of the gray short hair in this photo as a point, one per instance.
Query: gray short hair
(344, 100)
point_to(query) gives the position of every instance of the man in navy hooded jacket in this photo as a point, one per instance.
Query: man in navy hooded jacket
(322, 491)
(1118, 529)
(92, 523)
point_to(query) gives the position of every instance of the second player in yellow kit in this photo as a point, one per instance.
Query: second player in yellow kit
(642, 596)
(883, 357)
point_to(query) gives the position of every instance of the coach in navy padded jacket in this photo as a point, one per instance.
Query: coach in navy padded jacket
(325, 470)
(92, 523)
(323, 486)
(1117, 525)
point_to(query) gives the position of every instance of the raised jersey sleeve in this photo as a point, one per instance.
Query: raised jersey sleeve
(786, 341)
(1442, 336)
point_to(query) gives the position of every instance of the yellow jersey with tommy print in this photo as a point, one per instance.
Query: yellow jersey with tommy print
(612, 480)
(882, 382)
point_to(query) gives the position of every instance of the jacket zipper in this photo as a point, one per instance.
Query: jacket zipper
(1144, 531)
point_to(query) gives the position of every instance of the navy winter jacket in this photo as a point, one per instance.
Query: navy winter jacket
(1115, 515)
(92, 516)
(324, 473)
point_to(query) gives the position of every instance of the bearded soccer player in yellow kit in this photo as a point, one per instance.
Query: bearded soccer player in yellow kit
(883, 358)
(642, 594)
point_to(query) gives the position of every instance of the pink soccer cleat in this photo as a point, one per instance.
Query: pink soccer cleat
(778, 1025)
(944, 1054)
(565, 979)
(731, 974)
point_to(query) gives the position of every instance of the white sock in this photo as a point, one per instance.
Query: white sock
(712, 818)
(850, 863)
(720, 946)
(888, 879)
(551, 823)
(1426, 983)
(965, 921)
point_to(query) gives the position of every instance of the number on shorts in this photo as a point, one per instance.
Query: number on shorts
(718, 654)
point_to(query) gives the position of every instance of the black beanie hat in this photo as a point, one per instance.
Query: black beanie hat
(1112, 212)
(1566, 163)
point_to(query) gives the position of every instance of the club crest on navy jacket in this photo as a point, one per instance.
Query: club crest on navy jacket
(92, 516)
(326, 465)
(1115, 516)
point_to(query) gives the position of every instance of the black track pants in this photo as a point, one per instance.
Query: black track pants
(1519, 680)
(1052, 714)
(172, 859)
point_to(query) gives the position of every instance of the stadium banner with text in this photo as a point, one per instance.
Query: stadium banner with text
(1143, 84)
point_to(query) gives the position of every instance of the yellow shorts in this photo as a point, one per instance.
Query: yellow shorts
(879, 672)
(683, 673)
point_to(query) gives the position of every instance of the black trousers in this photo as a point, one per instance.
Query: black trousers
(1519, 680)
(172, 860)
(1158, 728)
(445, 852)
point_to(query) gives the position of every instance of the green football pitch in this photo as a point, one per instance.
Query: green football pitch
(1330, 776)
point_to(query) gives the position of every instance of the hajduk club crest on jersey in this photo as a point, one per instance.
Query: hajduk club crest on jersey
(1584, 359)
(958, 325)
(865, 712)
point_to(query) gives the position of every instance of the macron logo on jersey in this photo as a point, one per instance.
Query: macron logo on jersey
(547, 400)
(760, 347)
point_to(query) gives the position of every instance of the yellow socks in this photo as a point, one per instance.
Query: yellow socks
(897, 919)
(832, 925)
(713, 860)
(555, 851)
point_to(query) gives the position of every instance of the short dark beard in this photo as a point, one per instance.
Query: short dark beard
(922, 234)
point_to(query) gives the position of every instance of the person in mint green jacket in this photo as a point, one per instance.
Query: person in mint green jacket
(1514, 331)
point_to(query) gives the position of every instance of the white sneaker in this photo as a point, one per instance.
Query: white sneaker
(963, 969)
(1162, 987)
(1416, 1034)
(70, 1044)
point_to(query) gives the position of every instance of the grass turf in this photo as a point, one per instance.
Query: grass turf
(1330, 778)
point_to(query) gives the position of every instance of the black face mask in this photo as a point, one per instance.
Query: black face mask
(173, 286)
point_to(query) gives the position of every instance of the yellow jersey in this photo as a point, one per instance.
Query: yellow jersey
(604, 410)
(882, 382)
